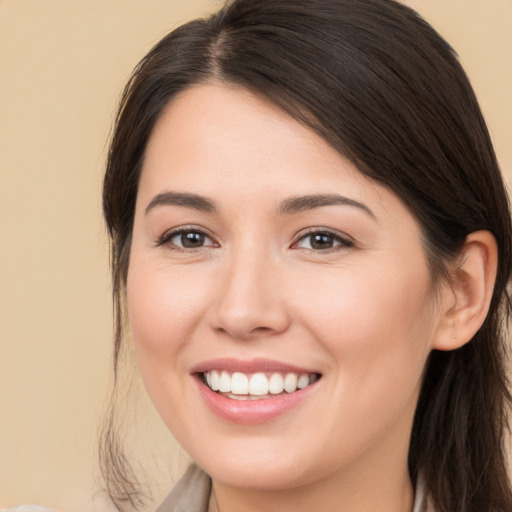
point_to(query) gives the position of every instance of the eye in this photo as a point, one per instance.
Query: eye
(186, 239)
(322, 241)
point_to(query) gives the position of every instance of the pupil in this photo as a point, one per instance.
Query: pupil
(321, 241)
(192, 239)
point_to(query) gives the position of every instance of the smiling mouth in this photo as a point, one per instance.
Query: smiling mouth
(256, 386)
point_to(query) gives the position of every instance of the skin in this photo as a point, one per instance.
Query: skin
(364, 314)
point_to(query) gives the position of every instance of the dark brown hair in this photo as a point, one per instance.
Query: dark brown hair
(386, 91)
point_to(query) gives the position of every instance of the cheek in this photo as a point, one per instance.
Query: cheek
(377, 325)
(164, 307)
(382, 298)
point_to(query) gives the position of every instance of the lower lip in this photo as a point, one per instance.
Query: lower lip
(251, 412)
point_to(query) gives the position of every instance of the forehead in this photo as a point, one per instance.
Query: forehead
(232, 123)
(228, 142)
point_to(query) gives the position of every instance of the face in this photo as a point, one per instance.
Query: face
(265, 266)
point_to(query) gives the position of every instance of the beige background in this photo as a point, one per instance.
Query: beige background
(62, 66)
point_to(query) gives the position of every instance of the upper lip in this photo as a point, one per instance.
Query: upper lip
(249, 366)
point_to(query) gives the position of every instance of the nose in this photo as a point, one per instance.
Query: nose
(249, 302)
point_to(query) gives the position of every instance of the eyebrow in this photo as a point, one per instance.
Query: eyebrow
(193, 201)
(288, 206)
(302, 203)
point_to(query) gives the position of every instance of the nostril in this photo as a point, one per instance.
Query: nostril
(244, 334)
(261, 330)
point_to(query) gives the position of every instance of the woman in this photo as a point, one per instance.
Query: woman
(311, 243)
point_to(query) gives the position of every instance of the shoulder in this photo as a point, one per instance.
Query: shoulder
(190, 494)
(421, 500)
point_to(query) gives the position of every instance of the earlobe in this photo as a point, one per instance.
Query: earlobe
(467, 297)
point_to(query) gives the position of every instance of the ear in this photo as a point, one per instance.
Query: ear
(466, 298)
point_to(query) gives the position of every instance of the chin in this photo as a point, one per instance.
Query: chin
(262, 474)
(270, 463)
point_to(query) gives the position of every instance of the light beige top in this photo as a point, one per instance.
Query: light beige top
(192, 494)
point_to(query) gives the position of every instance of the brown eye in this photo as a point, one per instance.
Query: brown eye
(187, 239)
(191, 239)
(323, 241)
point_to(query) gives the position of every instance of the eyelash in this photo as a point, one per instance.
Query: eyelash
(166, 238)
(340, 241)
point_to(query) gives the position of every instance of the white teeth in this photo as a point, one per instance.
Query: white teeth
(239, 384)
(225, 382)
(276, 384)
(214, 375)
(257, 384)
(290, 382)
(303, 381)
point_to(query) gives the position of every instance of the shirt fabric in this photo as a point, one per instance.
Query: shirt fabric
(192, 494)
